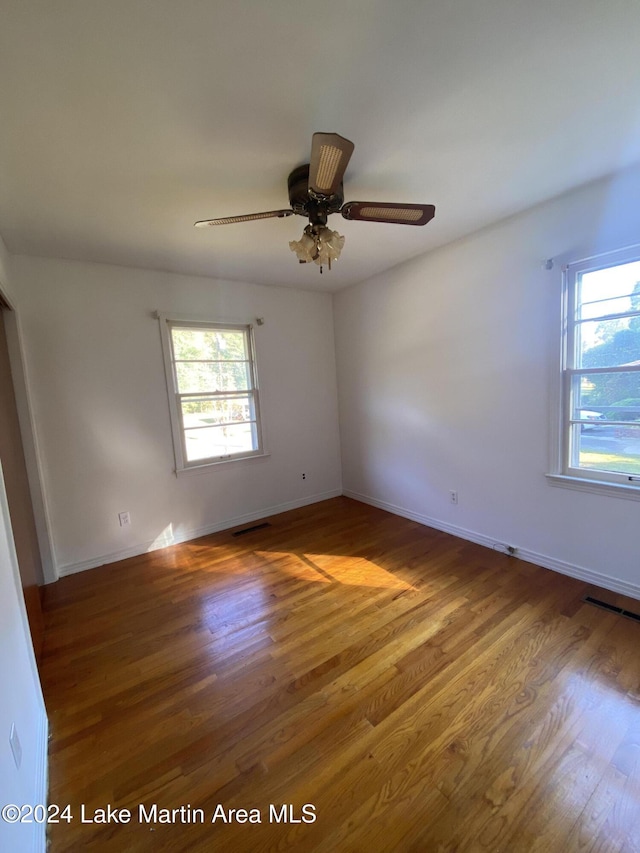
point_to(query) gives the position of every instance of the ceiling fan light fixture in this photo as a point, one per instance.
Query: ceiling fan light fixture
(318, 244)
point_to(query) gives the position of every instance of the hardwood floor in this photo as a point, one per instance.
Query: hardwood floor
(421, 692)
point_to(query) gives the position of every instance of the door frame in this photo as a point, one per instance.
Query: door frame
(29, 436)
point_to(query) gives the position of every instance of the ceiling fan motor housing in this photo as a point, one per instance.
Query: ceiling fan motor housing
(305, 202)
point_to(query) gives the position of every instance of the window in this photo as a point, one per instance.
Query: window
(213, 392)
(601, 371)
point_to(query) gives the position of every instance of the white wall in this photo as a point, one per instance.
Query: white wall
(21, 702)
(446, 367)
(21, 699)
(96, 379)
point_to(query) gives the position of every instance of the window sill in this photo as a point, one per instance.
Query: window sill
(201, 469)
(580, 484)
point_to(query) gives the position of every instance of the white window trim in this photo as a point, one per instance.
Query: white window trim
(182, 466)
(562, 473)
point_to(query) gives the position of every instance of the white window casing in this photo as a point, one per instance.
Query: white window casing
(598, 437)
(213, 391)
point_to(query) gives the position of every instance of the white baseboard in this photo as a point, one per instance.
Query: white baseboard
(578, 572)
(564, 568)
(194, 533)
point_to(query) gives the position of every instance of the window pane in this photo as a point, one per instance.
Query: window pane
(608, 343)
(219, 441)
(610, 282)
(609, 448)
(209, 344)
(205, 413)
(606, 306)
(607, 397)
(196, 376)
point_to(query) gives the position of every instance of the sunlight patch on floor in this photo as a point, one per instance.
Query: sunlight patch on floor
(356, 571)
(295, 565)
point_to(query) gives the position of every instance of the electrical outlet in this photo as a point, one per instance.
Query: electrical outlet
(124, 518)
(509, 550)
(14, 743)
(453, 496)
(304, 476)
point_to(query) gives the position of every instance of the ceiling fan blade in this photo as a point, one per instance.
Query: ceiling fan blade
(230, 220)
(330, 155)
(397, 214)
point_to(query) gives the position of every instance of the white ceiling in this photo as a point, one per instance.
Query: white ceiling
(124, 121)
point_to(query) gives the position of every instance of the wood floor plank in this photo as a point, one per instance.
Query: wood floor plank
(527, 755)
(421, 692)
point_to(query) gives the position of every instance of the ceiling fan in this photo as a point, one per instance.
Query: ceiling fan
(315, 191)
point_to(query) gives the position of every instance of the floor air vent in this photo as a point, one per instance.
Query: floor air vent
(611, 607)
(254, 527)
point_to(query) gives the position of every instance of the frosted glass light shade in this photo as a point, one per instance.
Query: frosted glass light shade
(320, 246)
